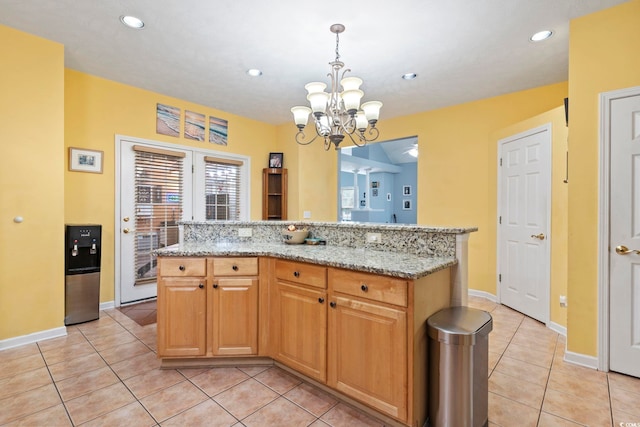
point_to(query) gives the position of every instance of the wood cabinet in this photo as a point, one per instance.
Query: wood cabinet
(367, 340)
(300, 318)
(182, 305)
(274, 194)
(234, 307)
(207, 307)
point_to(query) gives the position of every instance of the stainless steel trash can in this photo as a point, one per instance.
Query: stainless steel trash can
(458, 367)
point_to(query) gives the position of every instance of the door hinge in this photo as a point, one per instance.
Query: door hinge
(193, 169)
(500, 161)
(500, 219)
(499, 277)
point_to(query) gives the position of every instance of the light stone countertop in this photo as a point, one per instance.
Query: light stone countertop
(395, 264)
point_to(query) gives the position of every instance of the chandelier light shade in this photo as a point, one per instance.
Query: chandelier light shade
(338, 113)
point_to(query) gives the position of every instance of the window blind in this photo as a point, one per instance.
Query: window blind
(158, 205)
(222, 189)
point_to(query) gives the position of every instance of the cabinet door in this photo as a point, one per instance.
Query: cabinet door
(181, 316)
(368, 354)
(235, 316)
(301, 329)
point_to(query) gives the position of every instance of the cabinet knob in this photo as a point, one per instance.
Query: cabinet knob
(333, 304)
(234, 268)
(201, 286)
(181, 268)
(364, 288)
(321, 300)
(296, 273)
(215, 286)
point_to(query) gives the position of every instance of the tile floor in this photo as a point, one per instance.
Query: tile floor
(105, 373)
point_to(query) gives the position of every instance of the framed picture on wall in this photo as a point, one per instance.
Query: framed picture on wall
(82, 160)
(406, 190)
(275, 160)
(406, 204)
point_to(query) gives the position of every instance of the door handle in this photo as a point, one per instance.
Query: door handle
(623, 250)
(540, 236)
(125, 230)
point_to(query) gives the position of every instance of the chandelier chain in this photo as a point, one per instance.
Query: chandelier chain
(337, 45)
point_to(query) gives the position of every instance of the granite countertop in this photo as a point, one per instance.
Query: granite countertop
(402, 265)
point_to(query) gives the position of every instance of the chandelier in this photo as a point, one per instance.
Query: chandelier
(337, 114)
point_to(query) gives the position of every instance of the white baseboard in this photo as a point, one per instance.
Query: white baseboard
(483, 294)
(581, 359)
(557, 328)
(107, 305)
(34, 337)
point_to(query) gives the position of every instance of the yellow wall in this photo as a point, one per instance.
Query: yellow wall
(32, 138)
(96, 110)
(456, 168)
(559, 194)
(603, 56)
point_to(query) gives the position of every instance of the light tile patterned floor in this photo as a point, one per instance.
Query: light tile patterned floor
(105, 373)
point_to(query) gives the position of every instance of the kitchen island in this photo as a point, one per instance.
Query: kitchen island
(348, 316)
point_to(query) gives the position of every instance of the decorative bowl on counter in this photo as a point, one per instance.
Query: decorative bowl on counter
(296, 236)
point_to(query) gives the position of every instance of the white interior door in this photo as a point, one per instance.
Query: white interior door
(155, 192)
(624, 214)
(524, 209)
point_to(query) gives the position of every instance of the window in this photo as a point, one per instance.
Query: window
(222, 188)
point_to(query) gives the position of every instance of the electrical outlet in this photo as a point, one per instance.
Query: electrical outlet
(245, 232)
(563, 300)
(306, 214)
(374, 238)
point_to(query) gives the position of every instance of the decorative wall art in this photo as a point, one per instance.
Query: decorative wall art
(82, 160)
(406, 190)
(375, 184)
(167, 120)
(374, 192)
(194, 125)
(406, 205)
(218, 131)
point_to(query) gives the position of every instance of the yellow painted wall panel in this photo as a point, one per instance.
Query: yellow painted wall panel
(31, 176)
(603, 56)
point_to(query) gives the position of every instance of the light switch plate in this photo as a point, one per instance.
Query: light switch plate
(307, 214)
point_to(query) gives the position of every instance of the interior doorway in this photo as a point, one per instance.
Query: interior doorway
(619, 229)
(524, 209)
(378, 182)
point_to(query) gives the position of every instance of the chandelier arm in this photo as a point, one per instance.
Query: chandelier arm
(355, 140)
(374, 132)
(300, 138)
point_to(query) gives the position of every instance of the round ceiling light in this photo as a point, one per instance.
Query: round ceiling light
(409, 76)
(541, 35)
(132, 22)
(254, 72)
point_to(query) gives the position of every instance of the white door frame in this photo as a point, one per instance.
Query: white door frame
(547, 291)
(604, 200)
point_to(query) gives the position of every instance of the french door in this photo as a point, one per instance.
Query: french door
(158, 186)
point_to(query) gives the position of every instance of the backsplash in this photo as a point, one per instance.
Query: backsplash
(412, 239)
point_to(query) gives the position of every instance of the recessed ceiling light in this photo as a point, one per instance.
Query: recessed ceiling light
(254, 72)
(541, 35)
(132, 22)
(409, 76)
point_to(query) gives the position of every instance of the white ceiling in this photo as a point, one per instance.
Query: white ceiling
(199, 50)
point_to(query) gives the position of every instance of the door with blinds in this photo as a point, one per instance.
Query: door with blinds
(159, 185)
(155, 193)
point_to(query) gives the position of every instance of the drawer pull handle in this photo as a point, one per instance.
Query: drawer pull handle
(296, 273)
(201, 286)
(321, 300)
(364, 288)
(333, 304)
(234, 268)
(215, 286)
(181, 268)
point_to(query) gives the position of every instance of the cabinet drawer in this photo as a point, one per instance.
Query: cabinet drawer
(235, 266)
(178, 266)
(306, 274)
(369, 286)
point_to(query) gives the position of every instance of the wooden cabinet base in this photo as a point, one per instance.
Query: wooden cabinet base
(214, 362)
